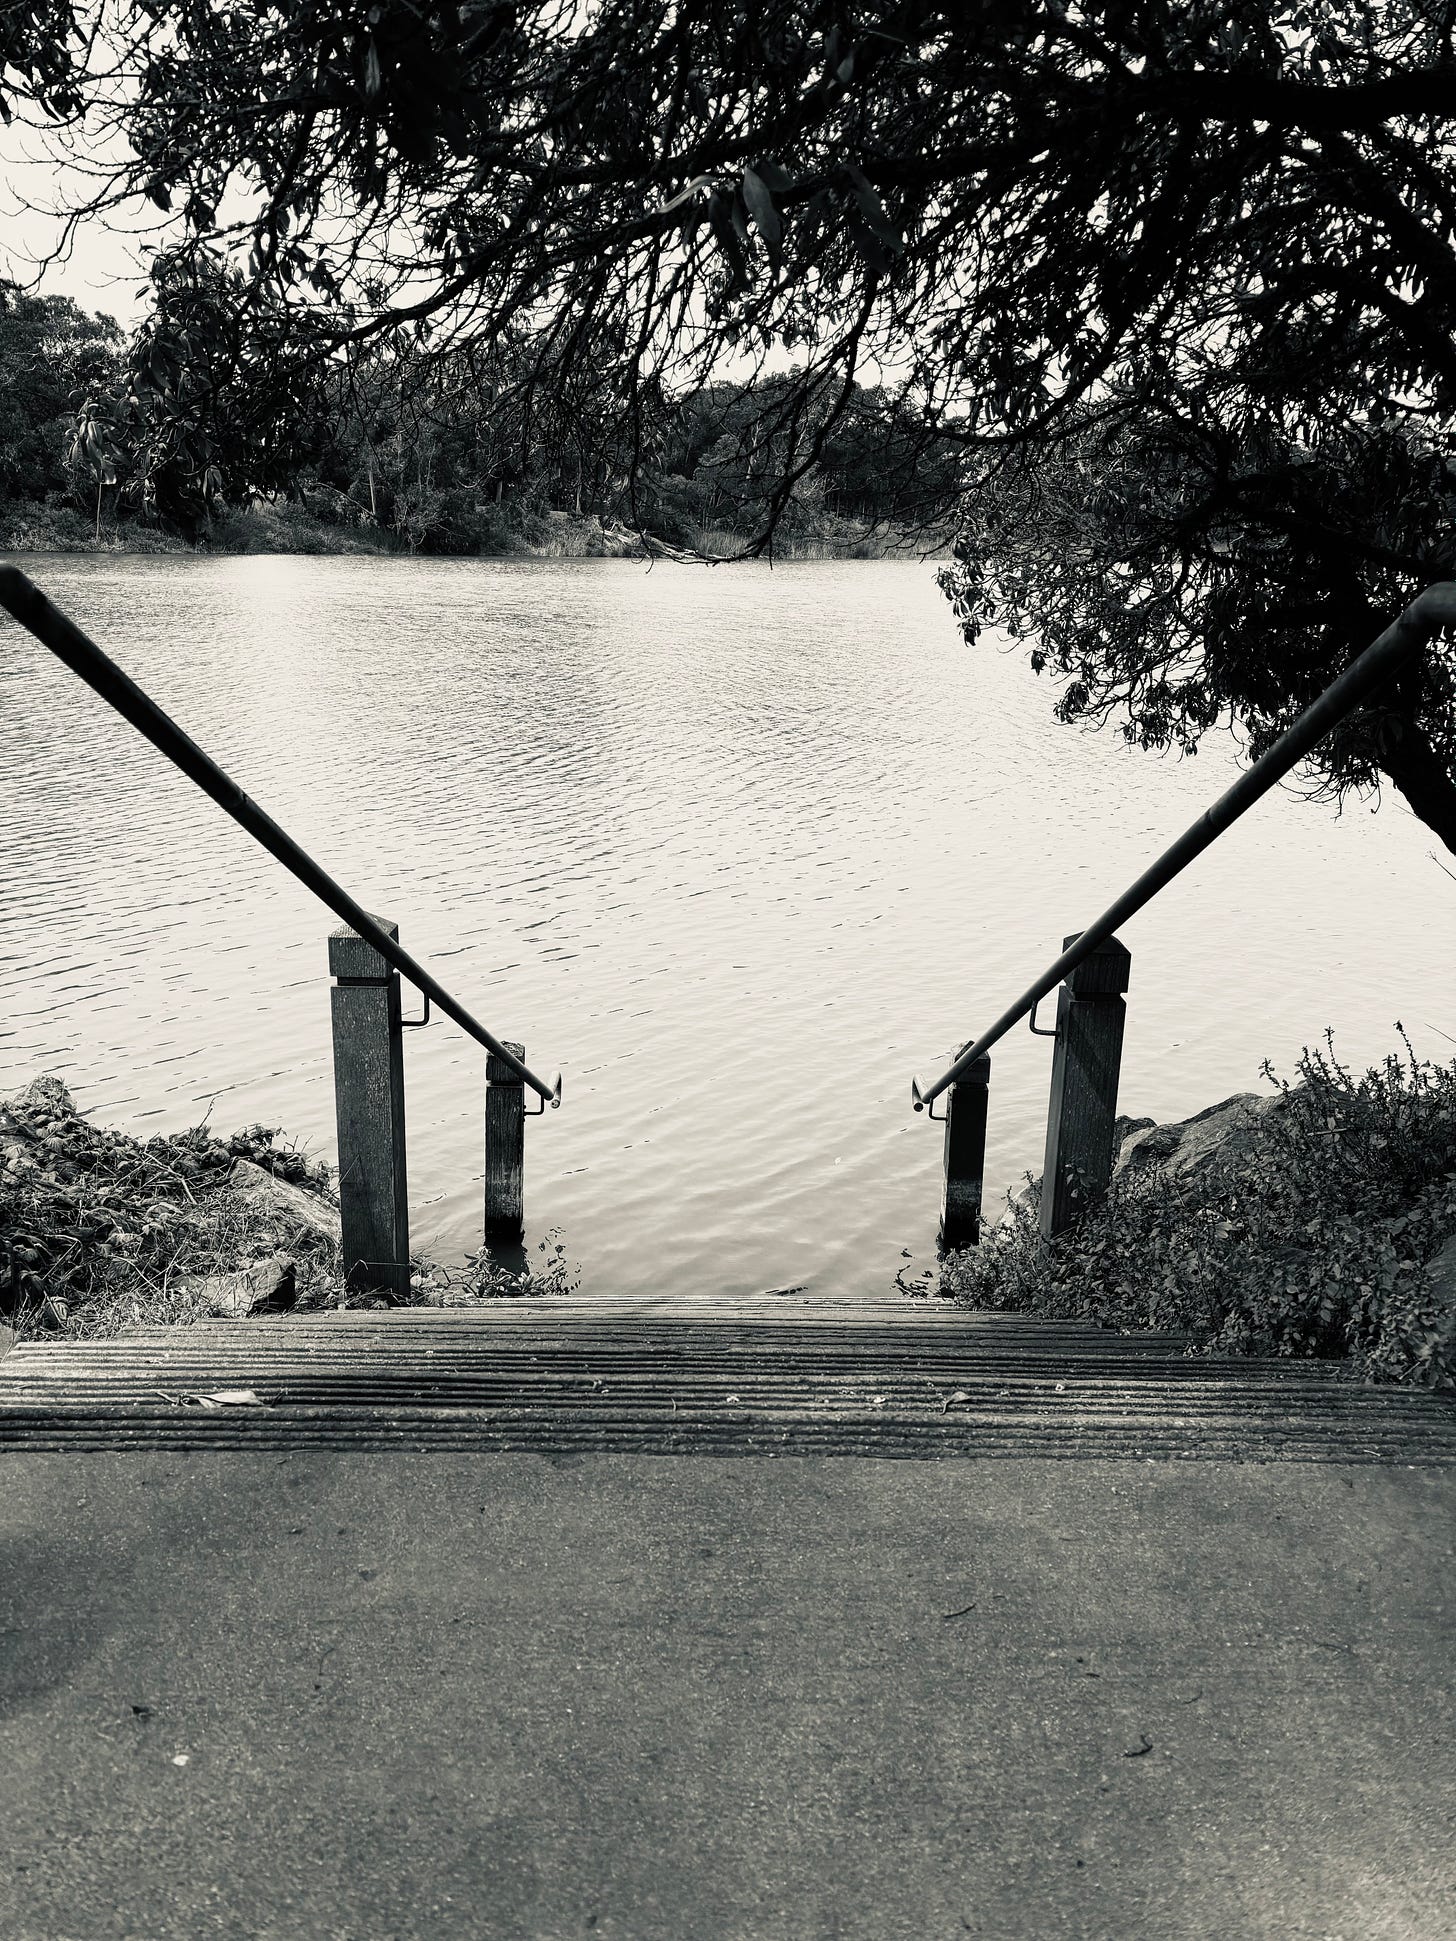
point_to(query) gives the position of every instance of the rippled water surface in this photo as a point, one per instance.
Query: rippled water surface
(739, 851)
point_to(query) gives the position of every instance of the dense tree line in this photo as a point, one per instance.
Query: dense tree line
(210, 404)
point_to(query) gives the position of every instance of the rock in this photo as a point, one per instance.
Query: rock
(1123, 1128)
(1180, 1148)
(280, 1200)
(1185, 1148)
(268, 1285)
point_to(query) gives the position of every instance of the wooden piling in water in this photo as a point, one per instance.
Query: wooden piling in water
(1080, 1147)
(505, 1147)
(965, 1156)
(369, 1107)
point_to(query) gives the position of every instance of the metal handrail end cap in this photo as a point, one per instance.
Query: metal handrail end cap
(916, 1097)
(556, 1093)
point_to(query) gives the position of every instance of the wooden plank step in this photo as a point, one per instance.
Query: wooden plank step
(673, 1377)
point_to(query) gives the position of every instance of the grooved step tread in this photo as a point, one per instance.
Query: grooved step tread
(766, 1375)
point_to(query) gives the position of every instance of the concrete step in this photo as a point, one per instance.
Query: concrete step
(762, 1376)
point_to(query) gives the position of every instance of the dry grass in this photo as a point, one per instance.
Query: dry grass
(508, 1275)
(100, 1232)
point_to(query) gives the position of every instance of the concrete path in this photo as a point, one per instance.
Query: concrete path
(273, 1692)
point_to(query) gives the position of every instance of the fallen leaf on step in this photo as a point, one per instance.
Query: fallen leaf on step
(1136, 1752)
(228, 1398)
(961, 1395)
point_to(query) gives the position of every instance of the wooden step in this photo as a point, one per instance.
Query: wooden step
(675, 1376)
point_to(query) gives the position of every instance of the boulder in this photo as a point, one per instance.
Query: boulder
(1182, 1149)
(279, 1199)
(1185, 1148)
(266, 1286)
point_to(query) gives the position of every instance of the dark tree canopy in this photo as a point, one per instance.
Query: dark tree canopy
(1183, 273)
(52, 355)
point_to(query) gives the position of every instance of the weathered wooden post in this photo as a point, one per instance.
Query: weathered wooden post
(1079, 1147)
(369, 1103)
(965, 1155)
(505, 1147)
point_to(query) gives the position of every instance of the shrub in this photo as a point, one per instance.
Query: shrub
(1315, 1236)
(286, 526)
(26, 526)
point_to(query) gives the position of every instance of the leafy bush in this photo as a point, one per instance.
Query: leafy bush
(27, 526)
(1314, 1236)
(286, 527)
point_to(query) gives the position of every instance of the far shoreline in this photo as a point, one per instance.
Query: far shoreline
(288, 528)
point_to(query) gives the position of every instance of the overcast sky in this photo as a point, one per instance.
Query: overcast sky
(104, 271)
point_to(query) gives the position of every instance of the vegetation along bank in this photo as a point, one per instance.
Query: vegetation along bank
(1319, 1220)
(100, 1231)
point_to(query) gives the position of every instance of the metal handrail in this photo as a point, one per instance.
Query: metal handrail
(26, 603)
(1425, 616)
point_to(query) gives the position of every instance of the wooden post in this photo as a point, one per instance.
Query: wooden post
(369, 1103)
(965, 1156)
(505, 1147)
(1079, 1146)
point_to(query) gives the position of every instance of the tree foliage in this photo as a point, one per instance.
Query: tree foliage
(1209, 238)
(51, 355)
(1179, 566)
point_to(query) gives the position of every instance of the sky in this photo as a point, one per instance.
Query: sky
(104, 273)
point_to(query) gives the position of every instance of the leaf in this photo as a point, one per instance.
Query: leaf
(872, 209)
(686, 194)
(961, 1395)
(868, 245)
(228, 1398)
(765, 217)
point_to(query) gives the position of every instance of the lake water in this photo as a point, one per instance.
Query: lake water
(738, 850)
